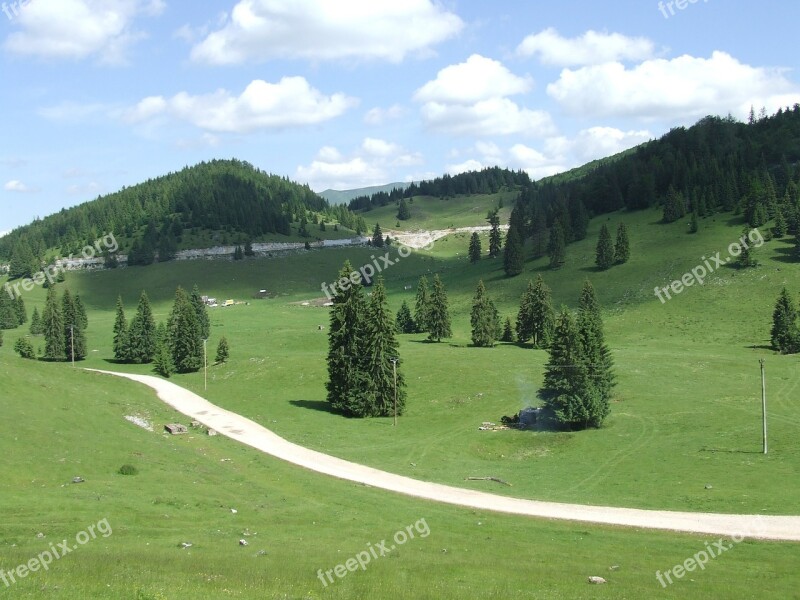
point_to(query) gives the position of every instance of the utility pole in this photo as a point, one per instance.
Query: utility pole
(764, 402)
(394, 370)
(72, 343)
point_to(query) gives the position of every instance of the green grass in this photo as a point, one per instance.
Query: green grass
(687, 414)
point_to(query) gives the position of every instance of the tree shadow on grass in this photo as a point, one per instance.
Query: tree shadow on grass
(730, 451)
(318, 405)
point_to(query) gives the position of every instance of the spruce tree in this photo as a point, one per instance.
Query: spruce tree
(599, 363)
(779, 229)
(484, 319)
(19, 308)
(202, 312)
(785, 336)
(439, 315)
(36, 323)
(474, 248)
(381, 349)
(403, 212)
(604, 253)
(377, 237)
(422, 306)
(9, 318)
(694, 226)
(508, 332)
(23, 347)
(347, 348)
(120, 344)
(525, 315)
(53, 324)
(405, 322)
(162, 360)
(556, 248)
(494, 233)
(184, 334)
(141, 347)
(535, 318)
(622, 249)
(513, 258)
(74, 336)
(81, 311)
(223, 351)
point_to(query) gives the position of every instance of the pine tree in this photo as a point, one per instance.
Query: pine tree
(23, 347)
(223, 351)
(404, 321)
(604, 253)
(19, 308)
(347, 348)
(303, 230)
(622, 249)
(513, 258)
(474, 248)
(779, 229)
(785, 336)
(403, 212)
(508, 332)
(238, 253)
(121, 345)
(439, 316)
(184, 334)
(422, 306)
(556, 248)
(694, 226)
(599, 363)
(535, 318)
(377, 236)
(53, 323)
(484, 319)
(36, 323)
(162, 360)
(74, 336)
(141, 346)
(202, 313)
(9, 317)
(81, 311)
(248, 248)
(494, 234)
(381, 349)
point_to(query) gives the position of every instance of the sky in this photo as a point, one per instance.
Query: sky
(97, 95)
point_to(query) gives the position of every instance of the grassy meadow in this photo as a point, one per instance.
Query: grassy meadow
(686, 416)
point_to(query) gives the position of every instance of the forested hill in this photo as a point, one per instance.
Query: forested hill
(220, 194)
(717, 165)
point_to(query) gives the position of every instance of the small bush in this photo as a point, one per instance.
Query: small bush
(24, 348)
(128, 470)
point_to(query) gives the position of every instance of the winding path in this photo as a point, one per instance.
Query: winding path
(251, 433)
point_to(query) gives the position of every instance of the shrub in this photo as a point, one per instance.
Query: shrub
(128, 470)
(24, 348)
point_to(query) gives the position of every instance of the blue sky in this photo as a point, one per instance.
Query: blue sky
(101, 94)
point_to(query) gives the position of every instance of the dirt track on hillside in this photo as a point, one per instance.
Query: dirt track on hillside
(251, 433)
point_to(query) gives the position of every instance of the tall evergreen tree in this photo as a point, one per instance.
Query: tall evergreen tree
(604, 253)
(474, 248)
(422, 306)
(556, 248)
(377, 236)
(508, 332)
(81, 311)
(535, 318)
(513, 258)
(223, 351)
(184, 334)
(779, 229)
(622, 249)
(599, 363)
(74, 336)
(785, 336)
(9, 317)
(404, 321)
(381, 349)
(53, 323)
(19, 308)
(347, 348)
(439, 315)
(202, 312)
(141, 347)
(403, 211)
(162, 360)
(494, 233)
(120, 344)
(484, 319)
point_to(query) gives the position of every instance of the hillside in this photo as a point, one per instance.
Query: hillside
(345, 196)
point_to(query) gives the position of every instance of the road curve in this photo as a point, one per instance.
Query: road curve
(251, 433)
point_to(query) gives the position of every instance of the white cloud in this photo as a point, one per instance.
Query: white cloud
(77, 29)
(291, 102)
(466, 166)
(682, 88)
(370, 164)
(599, 142)
(477, 79)
(496, 116)
(16, 185)
(4, 233)
(470, 98)
(592, 48)
(378, 116)
(91, 188)
(259, 30)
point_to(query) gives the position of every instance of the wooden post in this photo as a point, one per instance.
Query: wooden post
(764, 403)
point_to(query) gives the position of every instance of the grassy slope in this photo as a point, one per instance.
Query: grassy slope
(668, 436)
